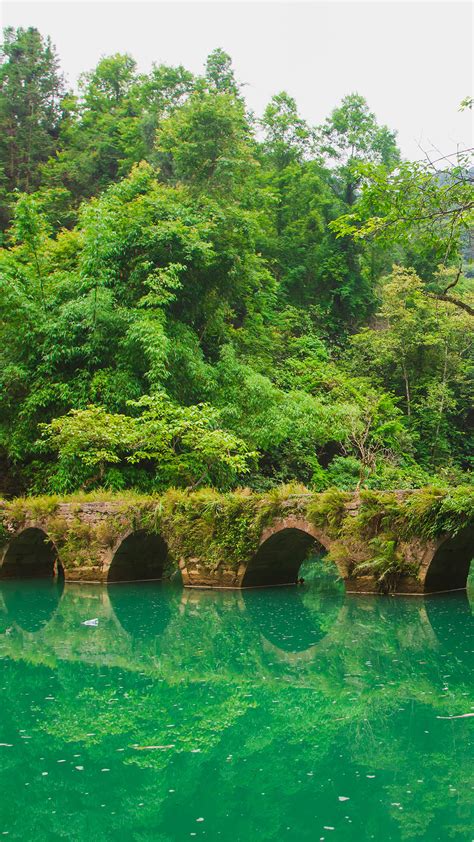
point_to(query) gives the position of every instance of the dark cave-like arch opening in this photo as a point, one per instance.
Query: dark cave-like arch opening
(31, 555)
(142, 556)
(279, 558)
(450, 565)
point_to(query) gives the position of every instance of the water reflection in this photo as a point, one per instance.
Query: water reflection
(303, 619)
(268, 714)
(296, 625)
(29, 606)
(452, 619)
(143, 610)
(318, 622)
(182, 705)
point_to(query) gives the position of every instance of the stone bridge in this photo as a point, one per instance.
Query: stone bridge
(236, 540)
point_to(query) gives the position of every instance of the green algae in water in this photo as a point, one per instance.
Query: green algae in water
(290, 713)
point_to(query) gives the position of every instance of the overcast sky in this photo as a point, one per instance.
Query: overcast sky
(412, 61)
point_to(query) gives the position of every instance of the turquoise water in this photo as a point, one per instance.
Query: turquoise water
(282, 714)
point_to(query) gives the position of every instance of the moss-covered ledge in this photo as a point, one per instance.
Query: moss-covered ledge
(392, 541)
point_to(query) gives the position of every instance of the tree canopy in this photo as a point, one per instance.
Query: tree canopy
(191, 295)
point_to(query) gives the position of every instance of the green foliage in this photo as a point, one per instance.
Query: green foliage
(31, 110)
(183, 287)
(423, 352)
(328, 510)
(166, 445)
(344, 472)
(287, 136)
(433, 511)
(421, 208)
(206, 143)
(385, 564)
(351, 137)
(220, 74)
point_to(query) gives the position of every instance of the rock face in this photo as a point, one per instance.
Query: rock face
(118, 541)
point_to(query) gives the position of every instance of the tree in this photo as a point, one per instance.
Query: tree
(351, 135)
(180, 446)
(350, 138)
(376, 432)
(171, 278)
(31, 109)
(165, 89)
(220, 74)
(30, 228)
(425, 207)
(206, 144)
(316, 271)
(102, 136)
(421, 350)
(287, 135)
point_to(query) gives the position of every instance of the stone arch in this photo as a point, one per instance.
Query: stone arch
(283, 547)
(31, 555)
(448, 567)
(140, 556)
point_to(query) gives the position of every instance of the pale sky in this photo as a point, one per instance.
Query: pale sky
(412, 61)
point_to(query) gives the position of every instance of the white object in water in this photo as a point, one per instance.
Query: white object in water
(94, 622)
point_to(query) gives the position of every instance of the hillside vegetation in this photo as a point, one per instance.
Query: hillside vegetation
(192, 295)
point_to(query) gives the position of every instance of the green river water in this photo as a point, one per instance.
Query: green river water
(280, 714)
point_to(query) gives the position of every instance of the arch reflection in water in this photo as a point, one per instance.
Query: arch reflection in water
(141, 556)
(29, 606)
(142, 609)
(298, 619)
(452, 621)
(31, 555)
(362, 717)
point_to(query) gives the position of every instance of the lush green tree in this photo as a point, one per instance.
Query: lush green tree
(162, 91)
(351, 135)
(287, 135)
(316, 269)
(30, 230)
(206, 143)
(179, 292)
(31, 109)
(164, 445)
(422, 351)
(425, 209)
(220, 74)
(102, 137)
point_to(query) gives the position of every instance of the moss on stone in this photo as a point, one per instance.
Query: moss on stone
(329, 510)
(224, 530)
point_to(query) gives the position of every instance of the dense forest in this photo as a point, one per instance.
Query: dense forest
(191, 294)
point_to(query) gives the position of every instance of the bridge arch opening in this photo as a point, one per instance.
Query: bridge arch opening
(142, 556)
(450, 565)
(279, 558)
(31, 555)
